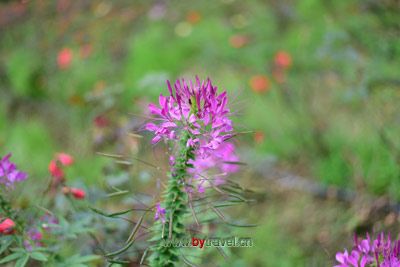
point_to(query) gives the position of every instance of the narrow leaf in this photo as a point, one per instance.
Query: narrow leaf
(144, 256)
(119, 193)
(38, 256)
(6, 244)
(21, 262)
(11, 257)
(135, 229)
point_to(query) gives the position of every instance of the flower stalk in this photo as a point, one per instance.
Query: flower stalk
(175, 203)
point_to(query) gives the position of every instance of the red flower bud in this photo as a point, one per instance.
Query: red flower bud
(7, 226)
(78, 193)
(65, 159)
(283, 59)
(55, 170)
(64, 58)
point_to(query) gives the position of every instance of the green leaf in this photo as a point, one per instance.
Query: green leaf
(6, 244)
(78, 260)
(39, 256)
(87, 258)
(118, 193)
(11, 257)
(22, 261)
(120, 213)
(117, 261)
(98, 211)
(125, 248)
(136, 228)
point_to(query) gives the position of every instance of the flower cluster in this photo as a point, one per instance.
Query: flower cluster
(197, 108)
(193, 107)
(381, 252)
(9, 174)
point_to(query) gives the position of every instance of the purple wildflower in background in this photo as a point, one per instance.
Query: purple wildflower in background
(34, 238)
(160, 213)
(9, 174)
(193, 107)
(49, 222)
(380, 252)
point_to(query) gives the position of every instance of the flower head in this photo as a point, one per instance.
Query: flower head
(160, 213)
(197, 108)
(9, 174)
(379, 252)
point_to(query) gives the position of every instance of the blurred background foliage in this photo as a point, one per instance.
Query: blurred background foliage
(76, 75)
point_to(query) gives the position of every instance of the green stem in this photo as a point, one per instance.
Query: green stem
(5, 207)
(175, 203)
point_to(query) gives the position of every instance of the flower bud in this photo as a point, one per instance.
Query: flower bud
(65, 159)
(78, 193)
(7, 226)
(55, 170)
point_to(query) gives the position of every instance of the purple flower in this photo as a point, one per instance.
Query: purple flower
(48, 222)
(9, 174)
(34, 238)
(197, 109)
(379, 252)
(160, 213)
(223, 160)
(193, 107)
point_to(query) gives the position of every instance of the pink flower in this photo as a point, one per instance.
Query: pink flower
(379, 252)
(193, 107)
(55, 170)
(78, 193)
(7, 226)
(60, 160)
(160, 213)
(9, 174)
(64, 58)
(75, 192)
(65, 159)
